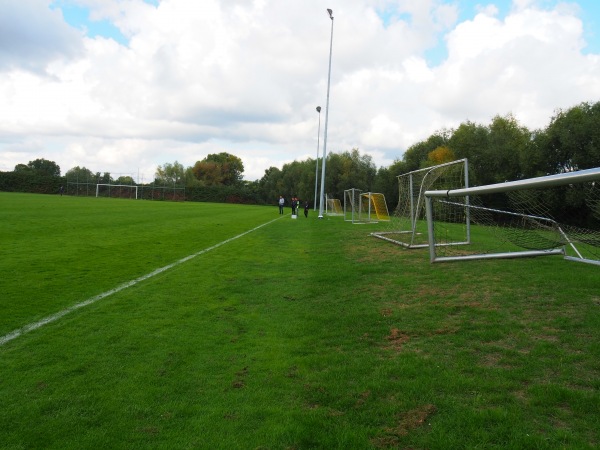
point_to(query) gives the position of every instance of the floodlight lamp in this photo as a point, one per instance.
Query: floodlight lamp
(330, 13)
(318, 109)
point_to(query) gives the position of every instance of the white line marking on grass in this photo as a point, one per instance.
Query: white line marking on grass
(54, 317)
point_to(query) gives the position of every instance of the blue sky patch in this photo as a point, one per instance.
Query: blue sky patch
(468, 9)
(79, 17)
(390, 16)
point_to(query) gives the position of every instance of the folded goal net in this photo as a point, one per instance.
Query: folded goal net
(519, 219)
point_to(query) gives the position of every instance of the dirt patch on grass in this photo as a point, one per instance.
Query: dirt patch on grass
(446, 330)
(407, 421)
(396, 339)
(374, 252)
(386, 312)
(364, 396)
(240, 381)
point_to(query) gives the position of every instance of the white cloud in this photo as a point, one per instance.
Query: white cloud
(245, 77)
(32, 35)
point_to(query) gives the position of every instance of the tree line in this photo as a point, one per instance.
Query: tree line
(503, 150)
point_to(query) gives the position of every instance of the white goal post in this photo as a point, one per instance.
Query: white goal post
(131, 190)
(374, 203)
(407, 225)
(365, 207)
(333, 206)
(523, 227)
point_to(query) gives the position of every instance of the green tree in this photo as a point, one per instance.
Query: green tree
(219, 168)
(571, 141)
(469, 141)
(170, 174)
(208, 173)
(386, 182)
(22, 168)
(81, 175)
(125, 179)
(271, 185)
(298, 179)
(349, 170)
(507, 142)
(105, 178)
(416, 155)
(44, 167)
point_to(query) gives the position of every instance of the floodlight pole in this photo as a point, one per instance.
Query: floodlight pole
(317, 168)
(322, 197)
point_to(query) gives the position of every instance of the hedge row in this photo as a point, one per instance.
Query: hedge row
(41, 184)
(30, 182)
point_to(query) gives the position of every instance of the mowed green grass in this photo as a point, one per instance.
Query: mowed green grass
(303, 333)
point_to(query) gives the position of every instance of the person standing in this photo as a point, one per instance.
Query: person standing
(281, 203)
(294, 205)
(306, 209)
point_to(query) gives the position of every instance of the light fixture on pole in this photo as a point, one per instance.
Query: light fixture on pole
(317, 168)
(321, 199)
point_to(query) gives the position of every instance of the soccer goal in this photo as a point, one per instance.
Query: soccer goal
(365, 207)
(117, 190)
(517, 219)
(407, 225)
(375, 206)
(333, 207)
(352, 206)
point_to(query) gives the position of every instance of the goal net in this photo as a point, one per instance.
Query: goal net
(117, 190)
(407, 225)
(364, 207)
(557, 214)
(375, 206)
(334, 207)
(352, 206)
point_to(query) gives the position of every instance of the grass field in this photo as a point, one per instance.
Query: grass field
(298, 334)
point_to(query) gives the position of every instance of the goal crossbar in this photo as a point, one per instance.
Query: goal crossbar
(407, 224)
(443, 196)
(130, 186)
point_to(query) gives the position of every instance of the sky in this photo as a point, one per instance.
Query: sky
(125, 86)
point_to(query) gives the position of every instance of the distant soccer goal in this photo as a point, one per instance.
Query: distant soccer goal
(375, 206)
(334, 207)
(117, 190)
(407, 225)
(364, 207)
(513, 219)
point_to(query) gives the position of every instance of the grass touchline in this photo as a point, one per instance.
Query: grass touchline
(54, 317)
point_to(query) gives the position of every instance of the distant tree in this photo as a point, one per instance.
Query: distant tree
(507, 141)
(349, 170)
(386, 182)
(125, 179)
(105, 178)
(469, 141)
(416, 155)
(208, 173)
(571, 140)
(22, 168)
(299, 180)
(81, 175)
(440, 155)
(44, 167)
(221, 168)
(170, 174)
(271, 185)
